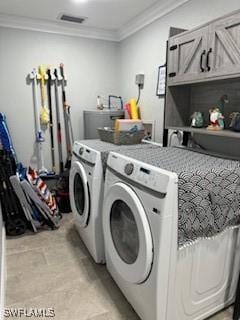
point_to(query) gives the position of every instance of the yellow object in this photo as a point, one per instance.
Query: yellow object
(134, 109)
(128, 125)
(44, 112)
(44, 116)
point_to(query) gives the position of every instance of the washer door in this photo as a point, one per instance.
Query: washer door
(79, 193)
(128, 237)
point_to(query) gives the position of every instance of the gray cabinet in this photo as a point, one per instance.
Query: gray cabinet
(94, 119)
(206, 53)
(224, 47)
(187, 56)
(203, 66)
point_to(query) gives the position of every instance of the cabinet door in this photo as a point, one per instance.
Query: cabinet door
(187, 57)
(224, 47)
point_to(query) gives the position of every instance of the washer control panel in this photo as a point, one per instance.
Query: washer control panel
(85, 153)
(145, 174)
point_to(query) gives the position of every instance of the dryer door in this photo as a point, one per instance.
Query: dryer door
(79, 193)
(127, 234)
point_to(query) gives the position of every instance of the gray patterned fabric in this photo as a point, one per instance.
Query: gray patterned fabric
(208, 190)
(105, 148)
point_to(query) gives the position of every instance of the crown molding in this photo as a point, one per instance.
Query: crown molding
(62, 28)
(149, 16)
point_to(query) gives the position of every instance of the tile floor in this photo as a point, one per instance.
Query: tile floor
(54, 269)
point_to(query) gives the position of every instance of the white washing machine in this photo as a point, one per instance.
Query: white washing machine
(86, 187)
(138, 218)
(140, 222)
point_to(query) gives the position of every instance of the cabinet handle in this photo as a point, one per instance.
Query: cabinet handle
(172, 74)
(208, 54)
(174, 47)
(201, 61)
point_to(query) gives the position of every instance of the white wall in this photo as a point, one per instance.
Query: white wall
(146, 50)
(91, 67)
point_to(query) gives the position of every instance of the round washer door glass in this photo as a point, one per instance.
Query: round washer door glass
(79, 195)
(124, 231)
(128, 239)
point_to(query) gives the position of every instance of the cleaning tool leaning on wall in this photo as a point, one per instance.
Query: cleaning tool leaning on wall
(38, 131)
(44, 112)
(62, 187)
(58, 119)
(49, 92)
(67, 120)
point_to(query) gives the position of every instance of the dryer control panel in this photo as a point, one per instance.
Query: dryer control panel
(147, 175)
(83, 152)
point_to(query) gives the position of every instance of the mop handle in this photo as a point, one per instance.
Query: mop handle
(39, 135)
(42, 72)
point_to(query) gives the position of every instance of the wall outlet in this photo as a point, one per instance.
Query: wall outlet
(140, 80)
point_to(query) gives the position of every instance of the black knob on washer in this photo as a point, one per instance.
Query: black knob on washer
(81, 150)
(129, 169)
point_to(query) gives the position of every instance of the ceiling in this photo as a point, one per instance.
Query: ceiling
(104, 14)
(109, 16)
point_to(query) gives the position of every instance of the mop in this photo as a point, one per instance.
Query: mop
(58, 119)
(39, 134)
(67, 120)
(49, 82)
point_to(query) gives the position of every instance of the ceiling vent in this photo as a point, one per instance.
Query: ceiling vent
(68, 18)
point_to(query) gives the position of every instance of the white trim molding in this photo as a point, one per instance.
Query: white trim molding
(63, 28)
(150, 15)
